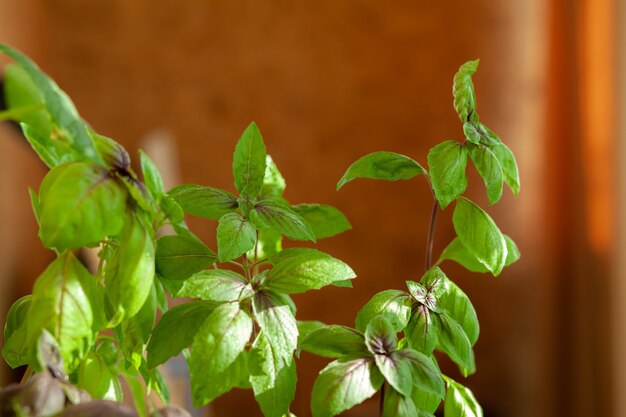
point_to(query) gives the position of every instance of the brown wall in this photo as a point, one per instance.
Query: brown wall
(327, 82)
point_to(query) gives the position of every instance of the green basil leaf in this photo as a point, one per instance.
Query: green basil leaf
(216, 346)
(233, 376)
(277, 321)
(395, 305)
(34, 203)
(421, 331)
(305, 270)
(452, 340)
(95, 377)
(397, 405)
(344, 384)
(179, 257)
(274, 215)
(388, 166)
(140, 196)
(397, 371)
(64, 303)
(489, 169)
(425, 402)
(52, 152)
(16, 347)
(269, 243)
(22, 96)
(208, 202)
(249, 162)
(129, 275)
(171, 210)
(235, 236)
(81, 204)
(325, 221)
(136, 330)
(460, 402)
(273, 181)
(155, 381)
(272, 378)
(471, 133)
(463, 91)
(480, 235)
(380, 336)
(59, 106)
(456, 303)
(508, 164)
(220, 285)
(151, 175)
(426, 375)
(176, 329)
(447, 162)
(334, 341)
(306, 327)
(458, 253)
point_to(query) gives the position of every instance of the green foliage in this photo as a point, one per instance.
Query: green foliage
(240, 329)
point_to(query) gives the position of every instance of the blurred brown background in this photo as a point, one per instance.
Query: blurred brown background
(329, 81)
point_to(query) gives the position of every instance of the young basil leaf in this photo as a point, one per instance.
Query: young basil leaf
(325, 221)
(272, 378)
(274, 215)
(426, 375)
(398, 405)
(219, 285)
(343, 384)
(129, 275)
(140, 196)
(16, 347)
(395, 305)
(155, 381)
(235, 236)
(249, 162)
(463, 91)
(171, 210)
(63, 303)
(388, 166)
(480, 235)
(380, 336)
(58, 104)
(179, 257)
(422, 295)
(81, 204)
(22, 96)
(273, 181)
(508, 164)
(95, 377)
(471, 133)
(421, 331)
(277, 321)
(306, 270)
(208, 202)
(216, 346)
(452, 340)
(489, 169)
(382, 342)
(334, 341)
(135, 331)
(455, 302)
(52, 152)
(460, 402)
(458, 253)
(447, 162)
(151, 175)
(176, 329)
(114, 156)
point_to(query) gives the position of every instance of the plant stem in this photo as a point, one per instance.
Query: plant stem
(431, 235)
(381, 406)
(27, 374)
